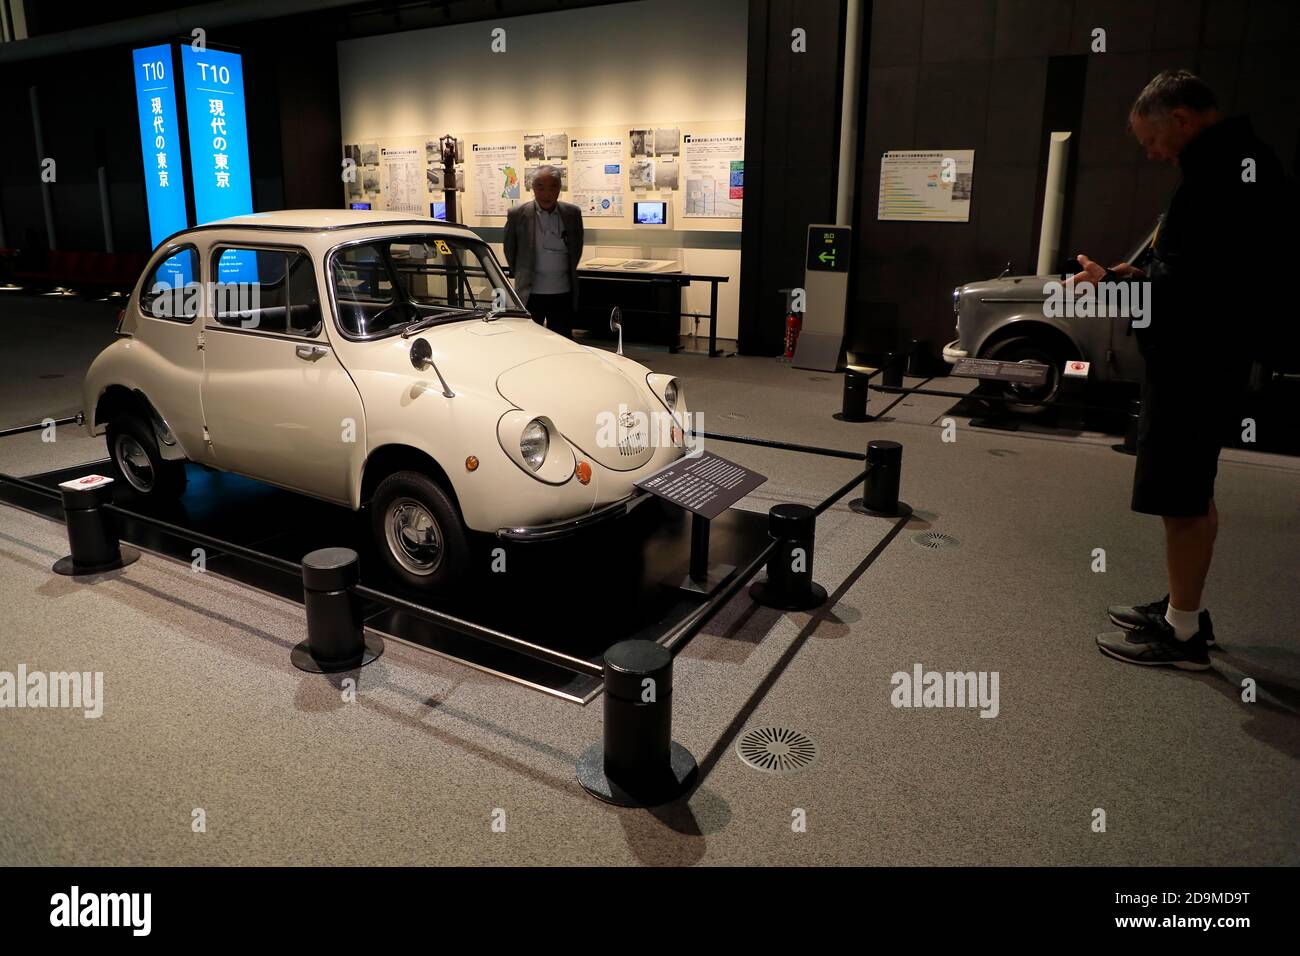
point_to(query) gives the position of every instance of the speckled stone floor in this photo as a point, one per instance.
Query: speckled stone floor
(203, 711)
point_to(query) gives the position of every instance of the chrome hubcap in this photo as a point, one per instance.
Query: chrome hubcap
(414, 537)
(133, 461)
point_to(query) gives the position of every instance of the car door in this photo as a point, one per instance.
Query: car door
(278, 404)
(166, 334)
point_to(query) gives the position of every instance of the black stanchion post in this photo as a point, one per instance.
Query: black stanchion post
(92, 532)
(853, 407)
(916, 359)
(880, 488)
(790, 585)
(891, 375)
(638, 764)
(1130, 445)
(336, 638)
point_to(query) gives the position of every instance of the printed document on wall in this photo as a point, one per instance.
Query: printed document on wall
(930, 185)
(596, 172)
(496, 177)
(714, 169)
(402, 169)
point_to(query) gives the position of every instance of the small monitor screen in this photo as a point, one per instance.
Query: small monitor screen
(438, 210)
(360, 205)
(650, 213)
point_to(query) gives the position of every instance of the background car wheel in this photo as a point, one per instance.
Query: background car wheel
(418, 531)
(1029, 348)
(138, 464)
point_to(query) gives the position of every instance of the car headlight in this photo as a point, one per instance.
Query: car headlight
(670, 395)
(534, 443)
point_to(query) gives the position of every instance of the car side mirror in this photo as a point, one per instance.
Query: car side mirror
(422, 358)
(616, 325)
(421, 355)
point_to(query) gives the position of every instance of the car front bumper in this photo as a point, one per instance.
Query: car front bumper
(951, 353)
(555, 530)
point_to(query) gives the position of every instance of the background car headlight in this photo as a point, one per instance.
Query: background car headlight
(533, 444)
(670, 394)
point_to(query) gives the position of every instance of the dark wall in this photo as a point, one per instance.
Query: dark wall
(88, 116)
(791, 142)
(994, 76)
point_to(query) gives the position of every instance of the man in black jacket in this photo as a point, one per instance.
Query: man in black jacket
(1203, 312)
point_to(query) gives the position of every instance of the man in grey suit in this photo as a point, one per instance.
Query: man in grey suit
(543, 244)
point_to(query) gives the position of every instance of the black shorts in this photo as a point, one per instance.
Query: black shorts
(1183, 421)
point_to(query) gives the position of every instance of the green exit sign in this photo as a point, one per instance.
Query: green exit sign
(828, 249)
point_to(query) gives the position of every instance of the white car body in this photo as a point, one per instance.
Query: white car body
(316, 413)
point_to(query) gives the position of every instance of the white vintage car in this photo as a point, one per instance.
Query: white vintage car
(381, 360)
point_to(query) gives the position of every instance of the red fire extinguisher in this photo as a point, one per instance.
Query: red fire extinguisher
(793, 323)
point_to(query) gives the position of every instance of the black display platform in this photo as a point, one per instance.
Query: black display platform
(580, 595)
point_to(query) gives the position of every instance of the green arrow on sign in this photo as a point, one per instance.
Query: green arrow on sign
(827, 257)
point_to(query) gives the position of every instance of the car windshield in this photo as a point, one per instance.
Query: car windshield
(384, 285)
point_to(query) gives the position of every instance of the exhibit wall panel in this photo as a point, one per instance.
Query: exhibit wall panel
(596, 74)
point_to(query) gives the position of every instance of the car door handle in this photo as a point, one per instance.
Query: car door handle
(310, 353)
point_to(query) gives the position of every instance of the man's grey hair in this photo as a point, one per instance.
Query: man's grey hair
(1170, 90)
(547, 170)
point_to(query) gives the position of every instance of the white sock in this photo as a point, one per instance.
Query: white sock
(1184, 623)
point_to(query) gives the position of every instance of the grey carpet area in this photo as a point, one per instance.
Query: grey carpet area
(204, 710)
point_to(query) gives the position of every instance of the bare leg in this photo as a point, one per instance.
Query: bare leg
(1189, 546)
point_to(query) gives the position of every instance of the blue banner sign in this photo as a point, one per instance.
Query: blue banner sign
(160, 144)
(214, 111)
(214, 108)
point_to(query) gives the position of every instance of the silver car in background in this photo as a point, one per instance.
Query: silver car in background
(1005, 319)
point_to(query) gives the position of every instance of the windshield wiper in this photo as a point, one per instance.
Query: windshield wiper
(487, 313)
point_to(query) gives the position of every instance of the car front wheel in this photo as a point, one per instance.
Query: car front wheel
(137, 462)
(1029, 349)
(418, 531)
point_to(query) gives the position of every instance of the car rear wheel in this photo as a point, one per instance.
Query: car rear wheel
(1029, 349)
(139, 465)
(418, 531)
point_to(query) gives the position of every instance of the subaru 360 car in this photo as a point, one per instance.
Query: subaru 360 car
(380, 361)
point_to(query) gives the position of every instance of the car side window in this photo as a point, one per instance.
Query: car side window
(266, 290)
(172, 290)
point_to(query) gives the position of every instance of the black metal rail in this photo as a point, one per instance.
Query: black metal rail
(892, 390)
(20, 429)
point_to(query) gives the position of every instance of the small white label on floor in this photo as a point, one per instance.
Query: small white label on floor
(86, 483)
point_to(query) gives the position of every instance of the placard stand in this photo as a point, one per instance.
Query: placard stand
(702, 577)
(706, 485)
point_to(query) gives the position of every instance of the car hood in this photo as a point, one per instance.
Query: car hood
(589, 398)
(1028, 288)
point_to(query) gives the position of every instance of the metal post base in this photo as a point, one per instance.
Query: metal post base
(676, 780)
(716, 576)
(841, 417)
(66, 567)
(903, 509)
(763, 593)
(302, 659)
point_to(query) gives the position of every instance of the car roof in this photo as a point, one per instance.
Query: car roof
(322, 220)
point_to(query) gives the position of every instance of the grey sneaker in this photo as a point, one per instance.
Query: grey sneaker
(1142, 615)
(1156, 646)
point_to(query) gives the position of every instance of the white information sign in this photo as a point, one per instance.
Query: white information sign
(929, 185)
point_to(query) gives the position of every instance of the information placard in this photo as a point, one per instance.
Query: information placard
(705, 484)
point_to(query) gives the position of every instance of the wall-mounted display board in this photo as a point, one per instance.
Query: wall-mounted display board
(927, 185)
(697, 168)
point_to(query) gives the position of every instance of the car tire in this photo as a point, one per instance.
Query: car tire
(1029, 348)
(139, 465)
(418, 531)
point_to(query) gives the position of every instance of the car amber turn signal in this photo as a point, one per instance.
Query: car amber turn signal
(583, 471)
(471, 463)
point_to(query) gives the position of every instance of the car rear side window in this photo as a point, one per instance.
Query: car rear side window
(266, 290)
(172, 290)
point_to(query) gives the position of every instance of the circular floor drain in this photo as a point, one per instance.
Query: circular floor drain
(776, 749)
(935, 540)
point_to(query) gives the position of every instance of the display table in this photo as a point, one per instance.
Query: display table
(651, 303)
